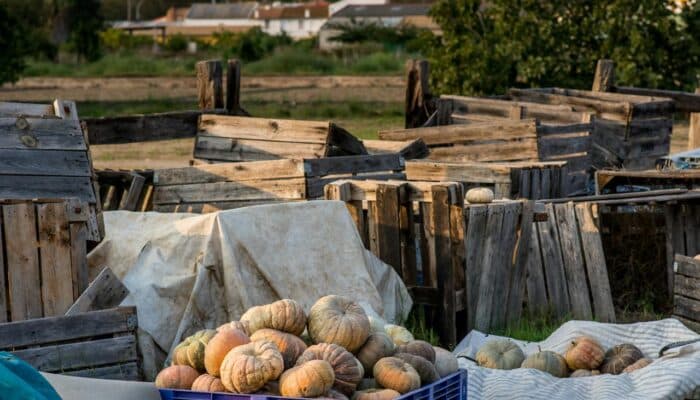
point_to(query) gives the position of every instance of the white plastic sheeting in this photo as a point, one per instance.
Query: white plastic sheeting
(188, 272)
(676, 375)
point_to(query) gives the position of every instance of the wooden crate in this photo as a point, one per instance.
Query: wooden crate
(98, 344)
(418, 229)
(621, 181)
(629, 131)
(409, 149)
(63, 109)
(686, 298)
(212, 187)
(126, 190)
(227, 138)
(529, 180)
(43, 257)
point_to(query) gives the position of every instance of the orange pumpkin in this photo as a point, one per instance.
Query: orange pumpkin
(176, 377)
(376, 394)
(584, 353)
(289, 345)
(284, 315)
(311, 379)
(208, 383)
(394, 373)
(348, 370)
(226, 339)
(248, 367)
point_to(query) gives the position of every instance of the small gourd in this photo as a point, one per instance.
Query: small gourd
(584, 353)
(419, 348)
(479, 196)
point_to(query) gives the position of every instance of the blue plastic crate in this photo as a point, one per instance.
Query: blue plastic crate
(451, 387)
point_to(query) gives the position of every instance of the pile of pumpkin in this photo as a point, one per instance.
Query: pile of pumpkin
(584, 357)
(334, 352)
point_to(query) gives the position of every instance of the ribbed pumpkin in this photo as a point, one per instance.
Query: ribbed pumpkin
(283, 315)
(248, 367)
(311, 379)
(620, 357)
(270, 388)
(367, 383)
(240, 325)
(333, 395)
(500, 354)
(426, 370)
(348, 370)
(584, 353)
(479, 196)
(398, 334)
(208, 383)
(582, 373)
(226, 339)
(377, 346)
(445, 362)
(547, 361)
(335, 319)
(191, 350)
(395, 373)
(376, 394)
(419, 348)
(639, 364)
(176, 377)
(289, 345)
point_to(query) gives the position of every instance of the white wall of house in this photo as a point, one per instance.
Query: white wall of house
(296, 28)
(222, 22)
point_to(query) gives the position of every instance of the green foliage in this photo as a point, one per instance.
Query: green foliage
(117, 39)
(251, 45)
(114, 65)
(11, 47)
(532, 328)
(487, 48)
(363, 32)
(85, 24)
(176, 43)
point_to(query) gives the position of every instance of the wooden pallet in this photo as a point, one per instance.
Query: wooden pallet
(126, 190)
(418, 229)
(686, 299)
(228, 138)
(43, 257)
(98, 344)
(620, 181)
(529, 180)
(212, 187)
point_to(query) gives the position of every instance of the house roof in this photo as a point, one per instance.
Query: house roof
(316, 10)
(222, 11)
(383, 10)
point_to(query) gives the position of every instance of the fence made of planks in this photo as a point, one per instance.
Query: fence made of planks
(686, 299)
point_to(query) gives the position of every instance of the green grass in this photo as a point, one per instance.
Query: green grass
(418, 327)
(532, 328)
(116, 65)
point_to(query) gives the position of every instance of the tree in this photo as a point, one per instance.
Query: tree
(85, 23)
(12, 46)
(487, 47)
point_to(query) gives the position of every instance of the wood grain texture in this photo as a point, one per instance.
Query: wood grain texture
(557, 289)
(79, 264)
(517, 284)
(123, 372)
(44, 162)
(687, 266)
(142, 128)
(450, 134)
(386, 220)
(475, 245)
(4, 298)
(604, 78)
(104, 292)
(503, 267)
(239, 172)
(273, 130)
(489, 273)
(536, 289)
(443, 264)
(55, 252)
(210, 89)
(47, 187)
(289, 189)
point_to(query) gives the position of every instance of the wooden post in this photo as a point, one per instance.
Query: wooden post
(443, 264)
(233, 86)
(694, 129)
(209, 87)
(419, 106)
(604, 78)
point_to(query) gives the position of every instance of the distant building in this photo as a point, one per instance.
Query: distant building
(333, 8)
(299, 21)
(223, 14)
(387, 15)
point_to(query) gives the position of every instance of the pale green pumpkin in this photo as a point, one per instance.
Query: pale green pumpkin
(547, 361)
(500, 354)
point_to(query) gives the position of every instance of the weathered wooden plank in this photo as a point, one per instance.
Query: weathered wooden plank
(675, 243)
(122, 372)
(387, 223)
(475, 245)
(516, 287)
(503, 267)
(22, 251)
(536, 183)
(142, 128)
(55, 252)
(353, 164)
(210, 88)
(214, 206)
(44, 162)
(427, 243)
(536, 289)
(545, 113)
(686, 307)
(239, 172)
(343, 143)
(408, 149)
(684, 101)
(104, 292)
(574, 265)
(290, 189)
(314, 186)
(692, 325)
(691, 217)
(226, 149)
(443, 265)
(65, 109)
(549, 147)
(4, 299)
(687, 266)
(130, 197)
(14, 109)
(272, 130)
(449, 134)
(687, 287)
(233, 86)
(458, 172)
(26, 187)
(557, 288)
(41, 331)
(596, 268)
(71, 356)
(520, 150)
(407, 227)
(545, 182)
(39, 125)
(417, 104)
(604, 78)
(488, 276)
(79, 267)
(458, 250)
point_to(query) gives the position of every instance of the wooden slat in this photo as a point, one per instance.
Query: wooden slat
(79, 267)
(23, 270)
(604, 78)
(516, 288)
(557, 289)
(558, 146)
(353, 164)
(36, 332)
(443, 265)
(4, 299)
(596, 269)
(44, 162)
(105, 291)
(27, 109)
(239, 172)
(492, 249)
(475, 245)
(26, 187)
(387, 222)
(536, 289)
(15, 139)
(65, 109)
(449, 134)
(226, 149)
(687, 287)
(122, 372)
(72, 356)
(692, 325)
(407, 226)
(574, 265)
(55, 251)
(503, 268)
(686, 307)
(130, 198)
(289, 189)
(692, 218)
(38, 125)
(273, 130)
(458, 172)
(210, 88)
(427, 243)
(314, 186)
(408, 149)
(687, 266)
(142, 128)
(675, 243)
(520, 150)
(684, 101)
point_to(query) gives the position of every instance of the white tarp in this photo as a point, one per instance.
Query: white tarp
(188, 272)
(676, 375)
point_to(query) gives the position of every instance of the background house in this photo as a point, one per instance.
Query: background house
(299, 21)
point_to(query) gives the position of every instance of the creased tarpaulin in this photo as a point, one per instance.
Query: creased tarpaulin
(676, 375)
(188, 272)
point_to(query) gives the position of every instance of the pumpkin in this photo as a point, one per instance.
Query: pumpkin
(582, 373)
(479, 196)
(334, 394)
(500, 354)
(283, 315)
(191, 350)
(270, 388)
(335, 319)
(418, 348)
(376, 394)
(584, 353)
(547, 361)
(289, 345)
(348, 370)
(226, 338)
(176, 377)
(398, 334)
(377, 346)
(620, 357)
(376, 324)
(249, 367)
(395, 373)
(639, 364)
(445, 362)
(208, 383)
(367, 383)
(426, 370)
(311, 379)
(240, 325)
